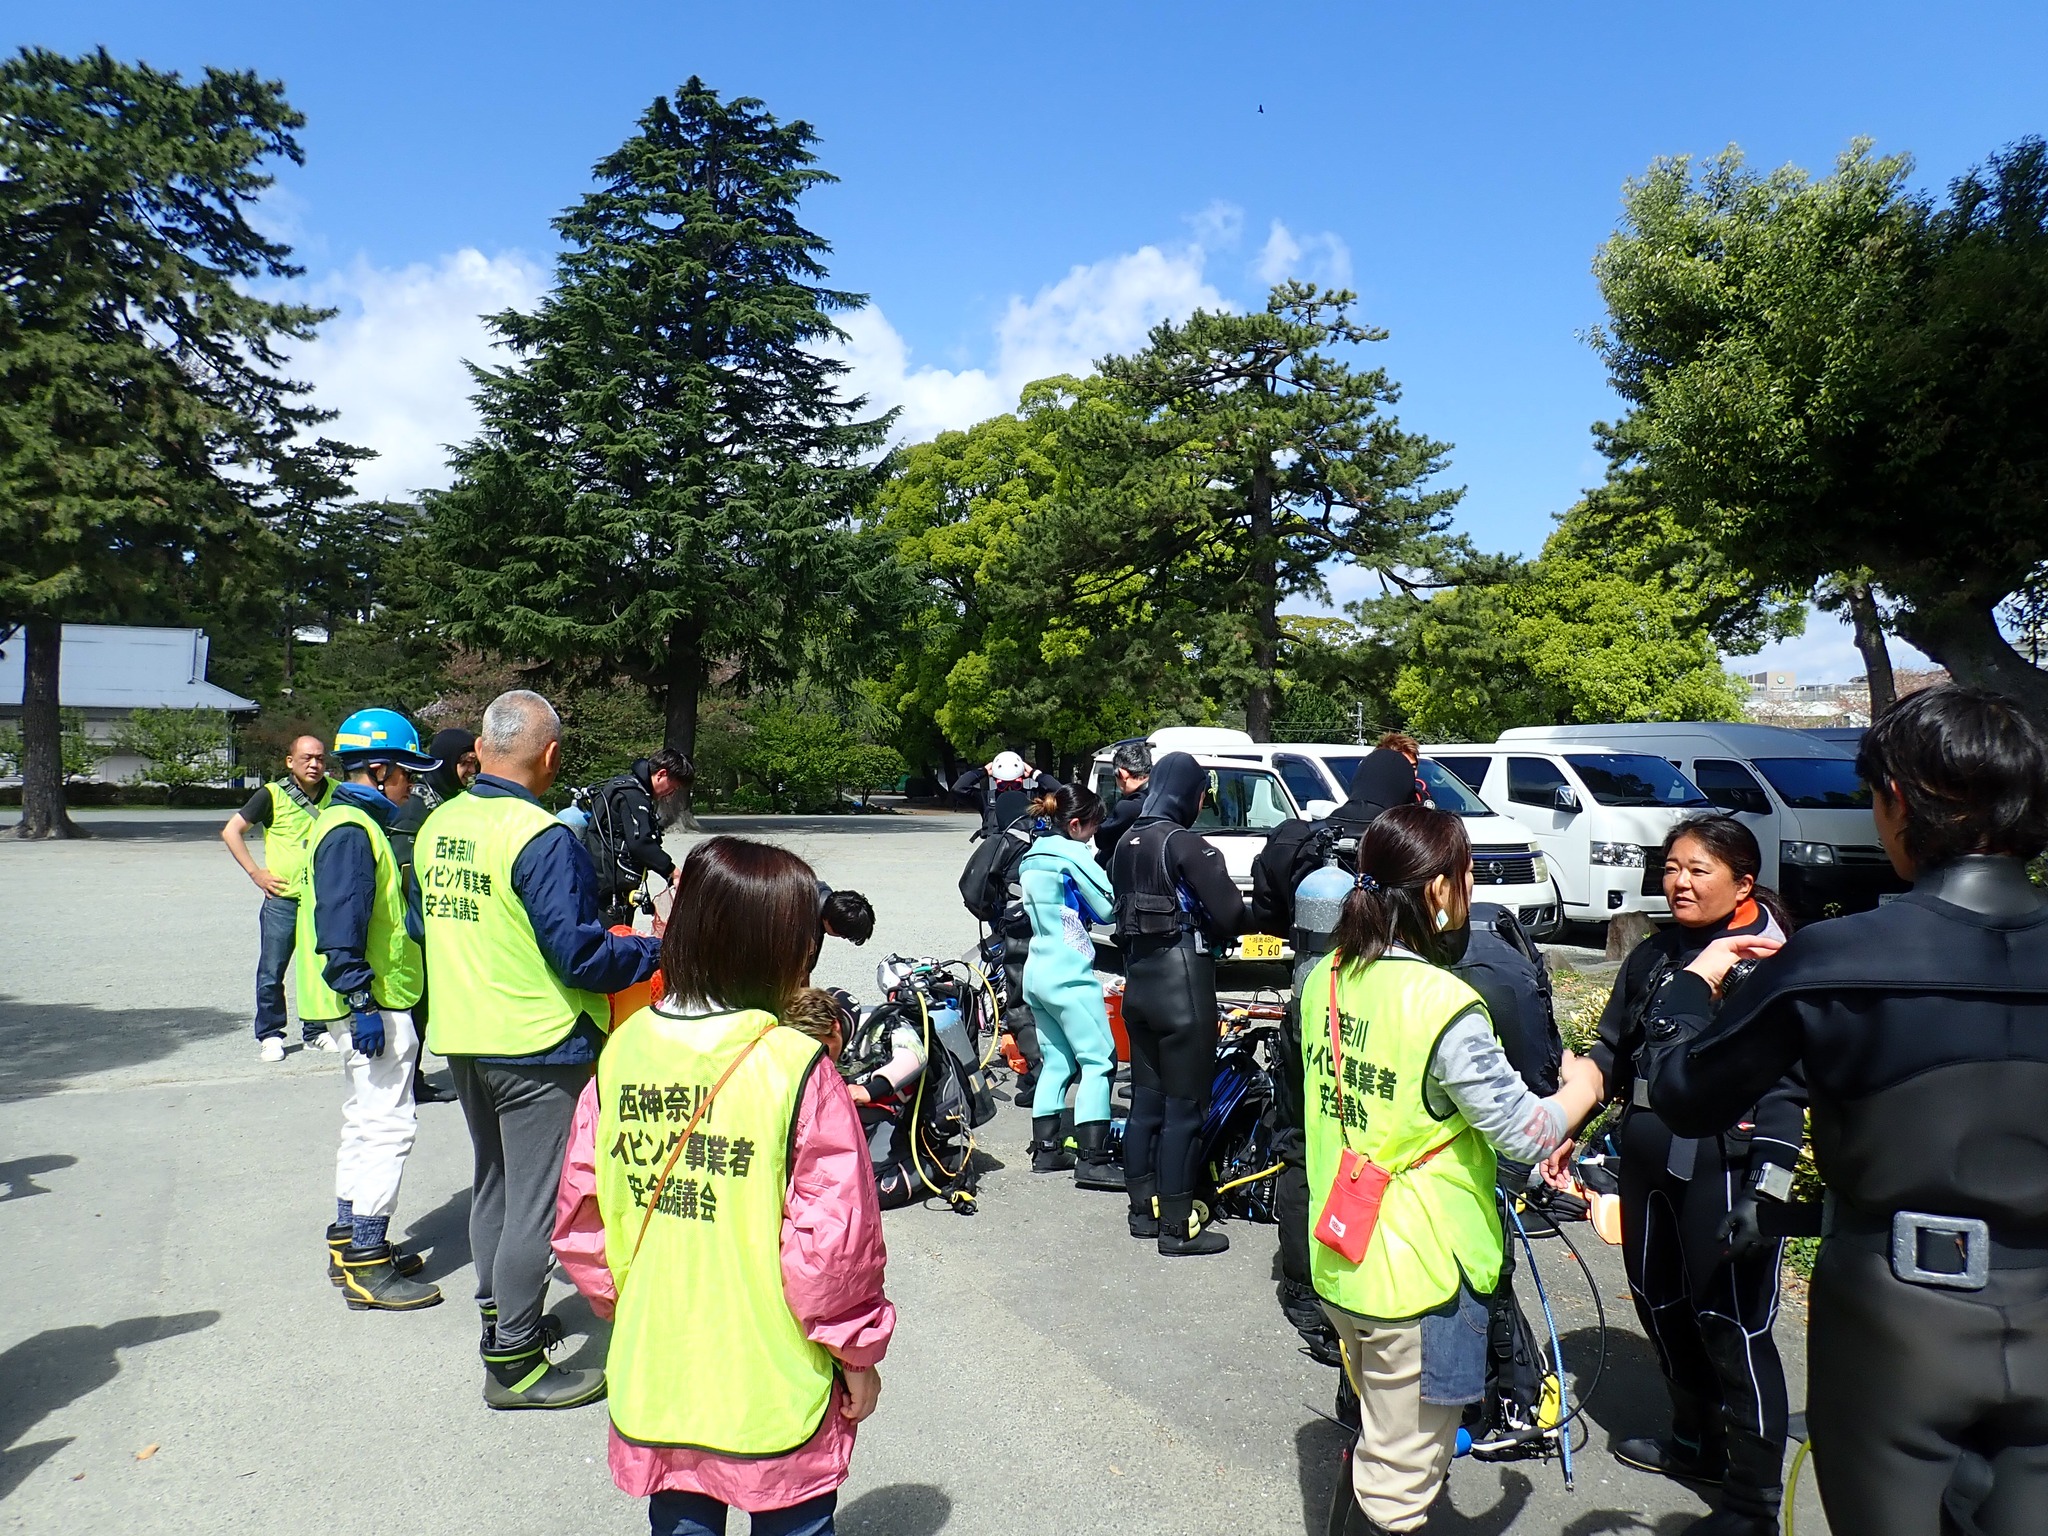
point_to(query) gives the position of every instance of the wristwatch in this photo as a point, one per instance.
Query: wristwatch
(362, 1002)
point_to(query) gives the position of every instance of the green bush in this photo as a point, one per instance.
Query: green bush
(178, 747)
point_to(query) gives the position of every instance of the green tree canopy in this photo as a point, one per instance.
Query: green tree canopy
(664, 470)
(144, 415)
(1837, 375)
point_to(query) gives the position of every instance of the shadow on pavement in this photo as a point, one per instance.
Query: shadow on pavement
(60, 1365)
(1631, 1399)
(578, 1321)
(444, 1233)
(901, 1509)
(45, 1045)
(1317, 1446)
(1616, 1522)
(19, 1177)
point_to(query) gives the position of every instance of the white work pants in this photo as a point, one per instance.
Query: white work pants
(378, 1117)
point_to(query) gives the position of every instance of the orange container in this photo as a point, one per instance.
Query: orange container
(1113, 1003)
(640, 995)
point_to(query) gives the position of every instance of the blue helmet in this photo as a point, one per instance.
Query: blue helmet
(380, 736)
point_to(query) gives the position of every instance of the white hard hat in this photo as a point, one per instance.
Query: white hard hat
(1007, 765)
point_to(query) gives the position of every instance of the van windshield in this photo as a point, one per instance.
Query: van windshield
(1815, 783)
(1630, 778)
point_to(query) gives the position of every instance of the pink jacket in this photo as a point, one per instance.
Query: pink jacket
(832, 1261)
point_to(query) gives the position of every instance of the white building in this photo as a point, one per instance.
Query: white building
(107, 671)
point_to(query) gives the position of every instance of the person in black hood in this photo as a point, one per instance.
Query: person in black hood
(1922, 1031)
(456, 750)
(1175, 900)
(1384, 780)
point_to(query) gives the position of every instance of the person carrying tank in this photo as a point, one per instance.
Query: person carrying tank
(1703, 1276)
(1922, 1031)
(1175, 901)
(360, 962)
(1410, 1077)
(1064, 891)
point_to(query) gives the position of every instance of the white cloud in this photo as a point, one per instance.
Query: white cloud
(1324, 258)
(391, 361)
(1107, 306)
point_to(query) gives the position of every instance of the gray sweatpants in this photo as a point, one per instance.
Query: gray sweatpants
(519, 1130)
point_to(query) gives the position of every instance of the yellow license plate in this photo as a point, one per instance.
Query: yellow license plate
(1260, 946)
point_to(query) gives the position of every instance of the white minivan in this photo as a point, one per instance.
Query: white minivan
(1600, 813)
(1246, 798)
(1796, 791)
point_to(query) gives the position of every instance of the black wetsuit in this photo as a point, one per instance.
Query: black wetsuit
(1923, 1031)
(1709, 1316)
(1180, 881)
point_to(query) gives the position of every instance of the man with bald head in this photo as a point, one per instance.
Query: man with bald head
(285, 809)
(519, 964)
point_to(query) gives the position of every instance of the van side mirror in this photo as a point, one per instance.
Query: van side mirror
(1317, 810)
(1564, 798)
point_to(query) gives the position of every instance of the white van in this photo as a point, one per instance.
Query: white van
(1797, 792)
(1257, 785)
(1600, 812)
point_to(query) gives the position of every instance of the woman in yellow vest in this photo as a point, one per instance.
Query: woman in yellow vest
(716, 1203)
(1414, 1083)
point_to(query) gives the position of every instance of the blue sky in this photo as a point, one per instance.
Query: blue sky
(1023, 189)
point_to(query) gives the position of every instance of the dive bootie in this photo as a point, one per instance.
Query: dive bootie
(371, 1282)
(1183, 1229)
(1094, 1168)
(1048, 1150)
(338, 1239)
(1144, 1216)
(1670, 1457)
(525, 1378)
(1752, 1488)
(1727, 1522)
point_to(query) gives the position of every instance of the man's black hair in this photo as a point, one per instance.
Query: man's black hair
(668, 760)
(849, 915)
(1134, 758)
(1970, 769)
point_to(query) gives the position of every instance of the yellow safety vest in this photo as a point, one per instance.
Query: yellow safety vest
(288, 840)
(494, 992)
(395, 963)
(1437, 1222)
(705, 1352)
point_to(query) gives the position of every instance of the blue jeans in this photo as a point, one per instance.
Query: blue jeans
(695, 1514)
(279, 926)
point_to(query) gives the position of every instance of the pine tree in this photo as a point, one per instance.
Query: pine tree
(664, 472)
(142, 413)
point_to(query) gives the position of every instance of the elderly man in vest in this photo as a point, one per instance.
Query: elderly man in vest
(360, 967)
(521, 966)
(285, 809)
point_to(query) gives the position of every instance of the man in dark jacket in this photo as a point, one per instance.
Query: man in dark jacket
(1132, 765)
(1004, 786)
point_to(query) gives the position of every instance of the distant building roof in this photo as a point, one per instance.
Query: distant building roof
(123, 666)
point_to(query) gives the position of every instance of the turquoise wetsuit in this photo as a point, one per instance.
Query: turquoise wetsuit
(1065, 889)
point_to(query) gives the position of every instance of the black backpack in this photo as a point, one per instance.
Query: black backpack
(989, 882)
(601, 837)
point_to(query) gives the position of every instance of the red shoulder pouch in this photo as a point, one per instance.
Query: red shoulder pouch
(1352, 1208)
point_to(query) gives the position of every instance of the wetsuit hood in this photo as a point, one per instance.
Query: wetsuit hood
(450, 746)
(1175, 789)
(1384, 780)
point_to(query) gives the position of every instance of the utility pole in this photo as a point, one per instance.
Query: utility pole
(1358, 721)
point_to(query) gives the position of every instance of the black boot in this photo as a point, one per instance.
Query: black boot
(370, 1282)
(1751, 1489)
(1304, 1309)
(1670, 1456)
(1144, 1217)
(1183, 1229)
(1049, 1153)
(424, 1092)
(524, 1378)
(1094, 1168)
(338, 1239)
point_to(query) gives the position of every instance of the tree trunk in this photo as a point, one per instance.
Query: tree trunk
(1265, 578)
(1966, 640)
(685, 687)
(1877, 656)
(42, 735)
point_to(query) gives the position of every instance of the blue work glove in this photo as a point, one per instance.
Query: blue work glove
(366, 1027)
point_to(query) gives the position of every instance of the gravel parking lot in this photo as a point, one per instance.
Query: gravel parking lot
(171, 1358)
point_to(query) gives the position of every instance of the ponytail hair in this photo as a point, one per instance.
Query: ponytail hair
(1401, 853)
(1727, 841)
(1070, 802)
